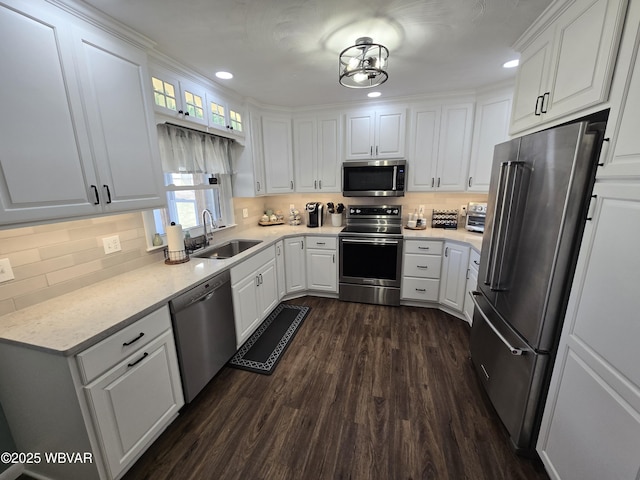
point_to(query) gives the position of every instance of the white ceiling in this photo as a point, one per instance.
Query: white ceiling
(285, 52)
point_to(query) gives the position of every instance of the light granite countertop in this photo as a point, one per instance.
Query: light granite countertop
(68, 324)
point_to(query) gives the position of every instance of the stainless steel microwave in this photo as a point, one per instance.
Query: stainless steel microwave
(374, 178)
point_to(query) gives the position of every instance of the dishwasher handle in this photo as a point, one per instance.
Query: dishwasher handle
(200, 293)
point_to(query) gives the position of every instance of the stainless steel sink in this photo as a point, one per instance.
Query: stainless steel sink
(227, 250)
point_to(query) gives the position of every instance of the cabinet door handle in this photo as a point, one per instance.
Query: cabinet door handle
(126, 344)
(315, 184)
(470, 181)
(589, 214)
(181, 112)
(320, 184)
(535, 111)
(291, 184)
(446, 252)
(438, 182)
(376, 150)
(468, 273)
(278, 249)
(186, 114)
(106, 187)
(258, 186)
(302, 245)
(334, 258)
(433, 180)
(257, 281)
(545, 102)
(95, 191)
(139, 360)
(260, 277)
(476, 262)
(371, 151)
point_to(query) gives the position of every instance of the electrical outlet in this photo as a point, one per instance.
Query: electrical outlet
(292, 206)
(111, 244)
(463, 210)
(245, 213)
(6, 273)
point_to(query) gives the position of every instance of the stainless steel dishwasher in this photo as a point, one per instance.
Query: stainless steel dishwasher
(205, 332)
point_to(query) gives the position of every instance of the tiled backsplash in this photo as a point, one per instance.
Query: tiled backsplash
(54, 259)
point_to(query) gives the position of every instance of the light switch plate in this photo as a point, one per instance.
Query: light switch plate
(6, 272)
(111, 244)
(245, 213)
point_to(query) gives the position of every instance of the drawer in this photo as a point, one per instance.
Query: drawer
(327, 243)
(474, 260)
(424, 266)
(432, 247)
(248, 266)
(110, 351)
(425, 289)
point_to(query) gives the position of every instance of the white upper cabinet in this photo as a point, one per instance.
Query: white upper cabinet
(440, 147)
(621, 156)
(224, 115)
(177, 97)
(377, 134)
(316, 151)
(567, 63)
(277, 151)
(120, 121)
(81, 139)
(491, 127)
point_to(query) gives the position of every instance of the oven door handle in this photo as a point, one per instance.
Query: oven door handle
(370, 241)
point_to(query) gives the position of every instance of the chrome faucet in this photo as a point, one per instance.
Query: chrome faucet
(204, 224)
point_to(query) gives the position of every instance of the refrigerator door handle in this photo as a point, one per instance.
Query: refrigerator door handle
(499, 238)
(512, 349)
(497, 221)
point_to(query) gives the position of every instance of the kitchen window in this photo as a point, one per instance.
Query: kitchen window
(197, 175)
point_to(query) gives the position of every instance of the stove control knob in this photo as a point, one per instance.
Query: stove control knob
(389, 211)
(358, 211)
(352, 210)
(395, 211)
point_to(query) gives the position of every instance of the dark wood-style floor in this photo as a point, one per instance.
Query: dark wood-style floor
(363, 392)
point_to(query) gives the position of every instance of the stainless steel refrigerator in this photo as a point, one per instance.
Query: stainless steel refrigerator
(538, 201)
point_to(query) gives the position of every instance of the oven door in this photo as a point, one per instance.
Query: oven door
(371, 261)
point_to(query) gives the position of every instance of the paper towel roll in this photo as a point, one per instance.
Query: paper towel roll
(175, 238)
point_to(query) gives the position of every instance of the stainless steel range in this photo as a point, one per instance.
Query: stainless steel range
(371, 254)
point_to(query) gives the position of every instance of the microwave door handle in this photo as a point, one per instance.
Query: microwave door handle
(495, 225)
(395, 174)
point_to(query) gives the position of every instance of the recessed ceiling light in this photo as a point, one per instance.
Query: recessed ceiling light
(373, 94)
(224, 75)
(511, 64)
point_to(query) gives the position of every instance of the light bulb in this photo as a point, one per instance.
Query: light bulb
(360, 77)
(353, 63)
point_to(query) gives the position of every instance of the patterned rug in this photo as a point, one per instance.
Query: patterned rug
(262, 351)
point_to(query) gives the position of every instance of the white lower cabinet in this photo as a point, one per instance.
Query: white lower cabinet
(254, 286)
(421, 270)
(295, 265)
(453, 279)
(591, 423)
(135, 400)
(280, 270)
(472, 283)
(322, 264)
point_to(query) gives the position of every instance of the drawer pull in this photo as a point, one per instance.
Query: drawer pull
(138, 361)
(126, 344)
(421, 289)
(476, 262)
(422, 266)
(422, 248)
(321, 243)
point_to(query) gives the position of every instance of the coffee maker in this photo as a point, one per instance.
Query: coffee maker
(314, 214)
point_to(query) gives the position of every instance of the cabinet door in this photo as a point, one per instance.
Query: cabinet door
(278, 157)
(329, 157)
(490, 128)
(193, 98)
(46, 170)
(623, 157)
(268, 288)
(322, 270)
(584, 57)
(133, 402)
(531, 81)
(280, 270)
(305, 154)
(454, 147)
(423, 152)
(472, 283)
(595, 385)
(245, 307)
(360, 135)
(453, 279)
(115, 85)
(295, 266)
(166, 93)
(389, 133)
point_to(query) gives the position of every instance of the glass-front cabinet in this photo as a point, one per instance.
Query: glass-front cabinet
(178, 98)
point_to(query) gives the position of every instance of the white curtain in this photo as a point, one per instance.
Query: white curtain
(186, 151)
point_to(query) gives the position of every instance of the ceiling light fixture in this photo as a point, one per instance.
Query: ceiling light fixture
(511, 63)
(224, 75)
(364, 64)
